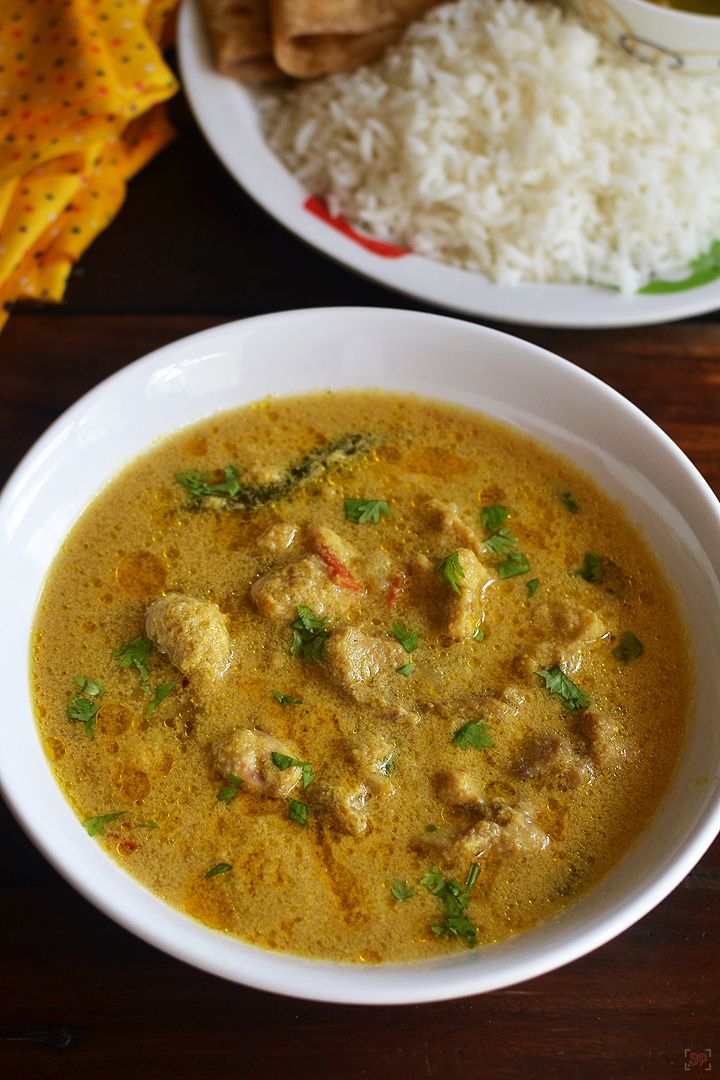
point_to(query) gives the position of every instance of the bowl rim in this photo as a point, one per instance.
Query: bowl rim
(354, 984)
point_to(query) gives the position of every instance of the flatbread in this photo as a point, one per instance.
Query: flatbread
(242, 42)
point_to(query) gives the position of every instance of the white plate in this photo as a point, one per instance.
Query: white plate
(227, 115)
(398, 350)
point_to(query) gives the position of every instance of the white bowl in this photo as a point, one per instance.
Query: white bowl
(660, 36)
(430, 355)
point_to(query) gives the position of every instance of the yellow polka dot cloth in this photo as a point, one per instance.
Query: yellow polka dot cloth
(80, 87)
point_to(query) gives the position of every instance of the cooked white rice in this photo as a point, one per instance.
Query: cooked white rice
(503, 137)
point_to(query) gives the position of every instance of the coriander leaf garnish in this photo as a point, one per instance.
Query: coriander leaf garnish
(297, 812)
(228, 793)
(475, 734)
(592, 568)
(309, 635)
(532, 586)
(83, 708)
(516, 563)
(147, 825)
(479, 634)
(456, 900)
(219, 868)
(431, 828)
(161, 692)
(401, 890)
(406, 669)
(569, 502)
(96, 825)
(366, 511)
(284, 762)
(557, 682)
(407, 638)
(493, 517)
(287, 699)
(450, 569)
(198, 485)
(136, 655)
(630, 647)
(502, 543)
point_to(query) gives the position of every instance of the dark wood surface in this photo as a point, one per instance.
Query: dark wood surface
(79, 997)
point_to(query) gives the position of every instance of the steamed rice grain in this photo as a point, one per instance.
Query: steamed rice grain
(505, 138)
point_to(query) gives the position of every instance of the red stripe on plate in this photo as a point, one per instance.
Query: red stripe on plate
(318, 207)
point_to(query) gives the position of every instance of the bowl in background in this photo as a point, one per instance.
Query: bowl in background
(452, 360)
(661, 36)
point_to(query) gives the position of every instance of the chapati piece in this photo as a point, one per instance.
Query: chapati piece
(241, 38)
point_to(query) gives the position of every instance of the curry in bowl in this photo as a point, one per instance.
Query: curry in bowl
(360, 676)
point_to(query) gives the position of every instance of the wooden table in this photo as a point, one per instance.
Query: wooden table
(79, 997)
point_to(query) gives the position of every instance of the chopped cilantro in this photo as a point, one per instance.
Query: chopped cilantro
(366, 511)
(532, 586)
(161, 692)
(568, 502)
(406, 669)
(287, 699)
(284, 762)
(475, 734)
(219, 868)
(147, 825)
(493, 517)
(502, 543)
(228, 793)
(592, 568)
(401, 890)
(297, 812)
(479, 634)
(456, 900)
(309, 635)
(451, 570)
(83, 708)
(388, 766)
(516, 563)
(136, 655)
(96, 825)
(198, 485)
(431, 828)
(557, 682)
(630, 647)
(407, 638)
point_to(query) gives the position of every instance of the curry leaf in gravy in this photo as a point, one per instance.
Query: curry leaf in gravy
(366, 511)
(219, 868)
(474, 734)
(532, 586)
(161, 692)
(136, 655)
(630, 647)
(407, 638)
(297, 812)
(287, 699)
(406, 669)
(283, 762)
(228, 793)
(557, 682)
(502, 543)
(566, 498)
(401, 890)
(493, 517)
(231, 494)
(83, 708)
(451, 570)
(515, 564)
(96, 825)
(592, 568)
(309, 635)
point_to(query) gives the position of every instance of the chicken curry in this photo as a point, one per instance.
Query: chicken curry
(360, 676)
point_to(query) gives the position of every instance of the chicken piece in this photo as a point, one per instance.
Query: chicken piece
(444, 517)
(366, 668)
(563, 630)
(464, 608)
(603, 739)
(192, 633)
(247, 754)
(457, 788)
(551, 760)
(342, 806)
(306, 583)
(373, 758)
(508, 830)
(278, 538)
(324, 539)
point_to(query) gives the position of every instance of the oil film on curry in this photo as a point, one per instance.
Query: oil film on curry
(360, 676)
